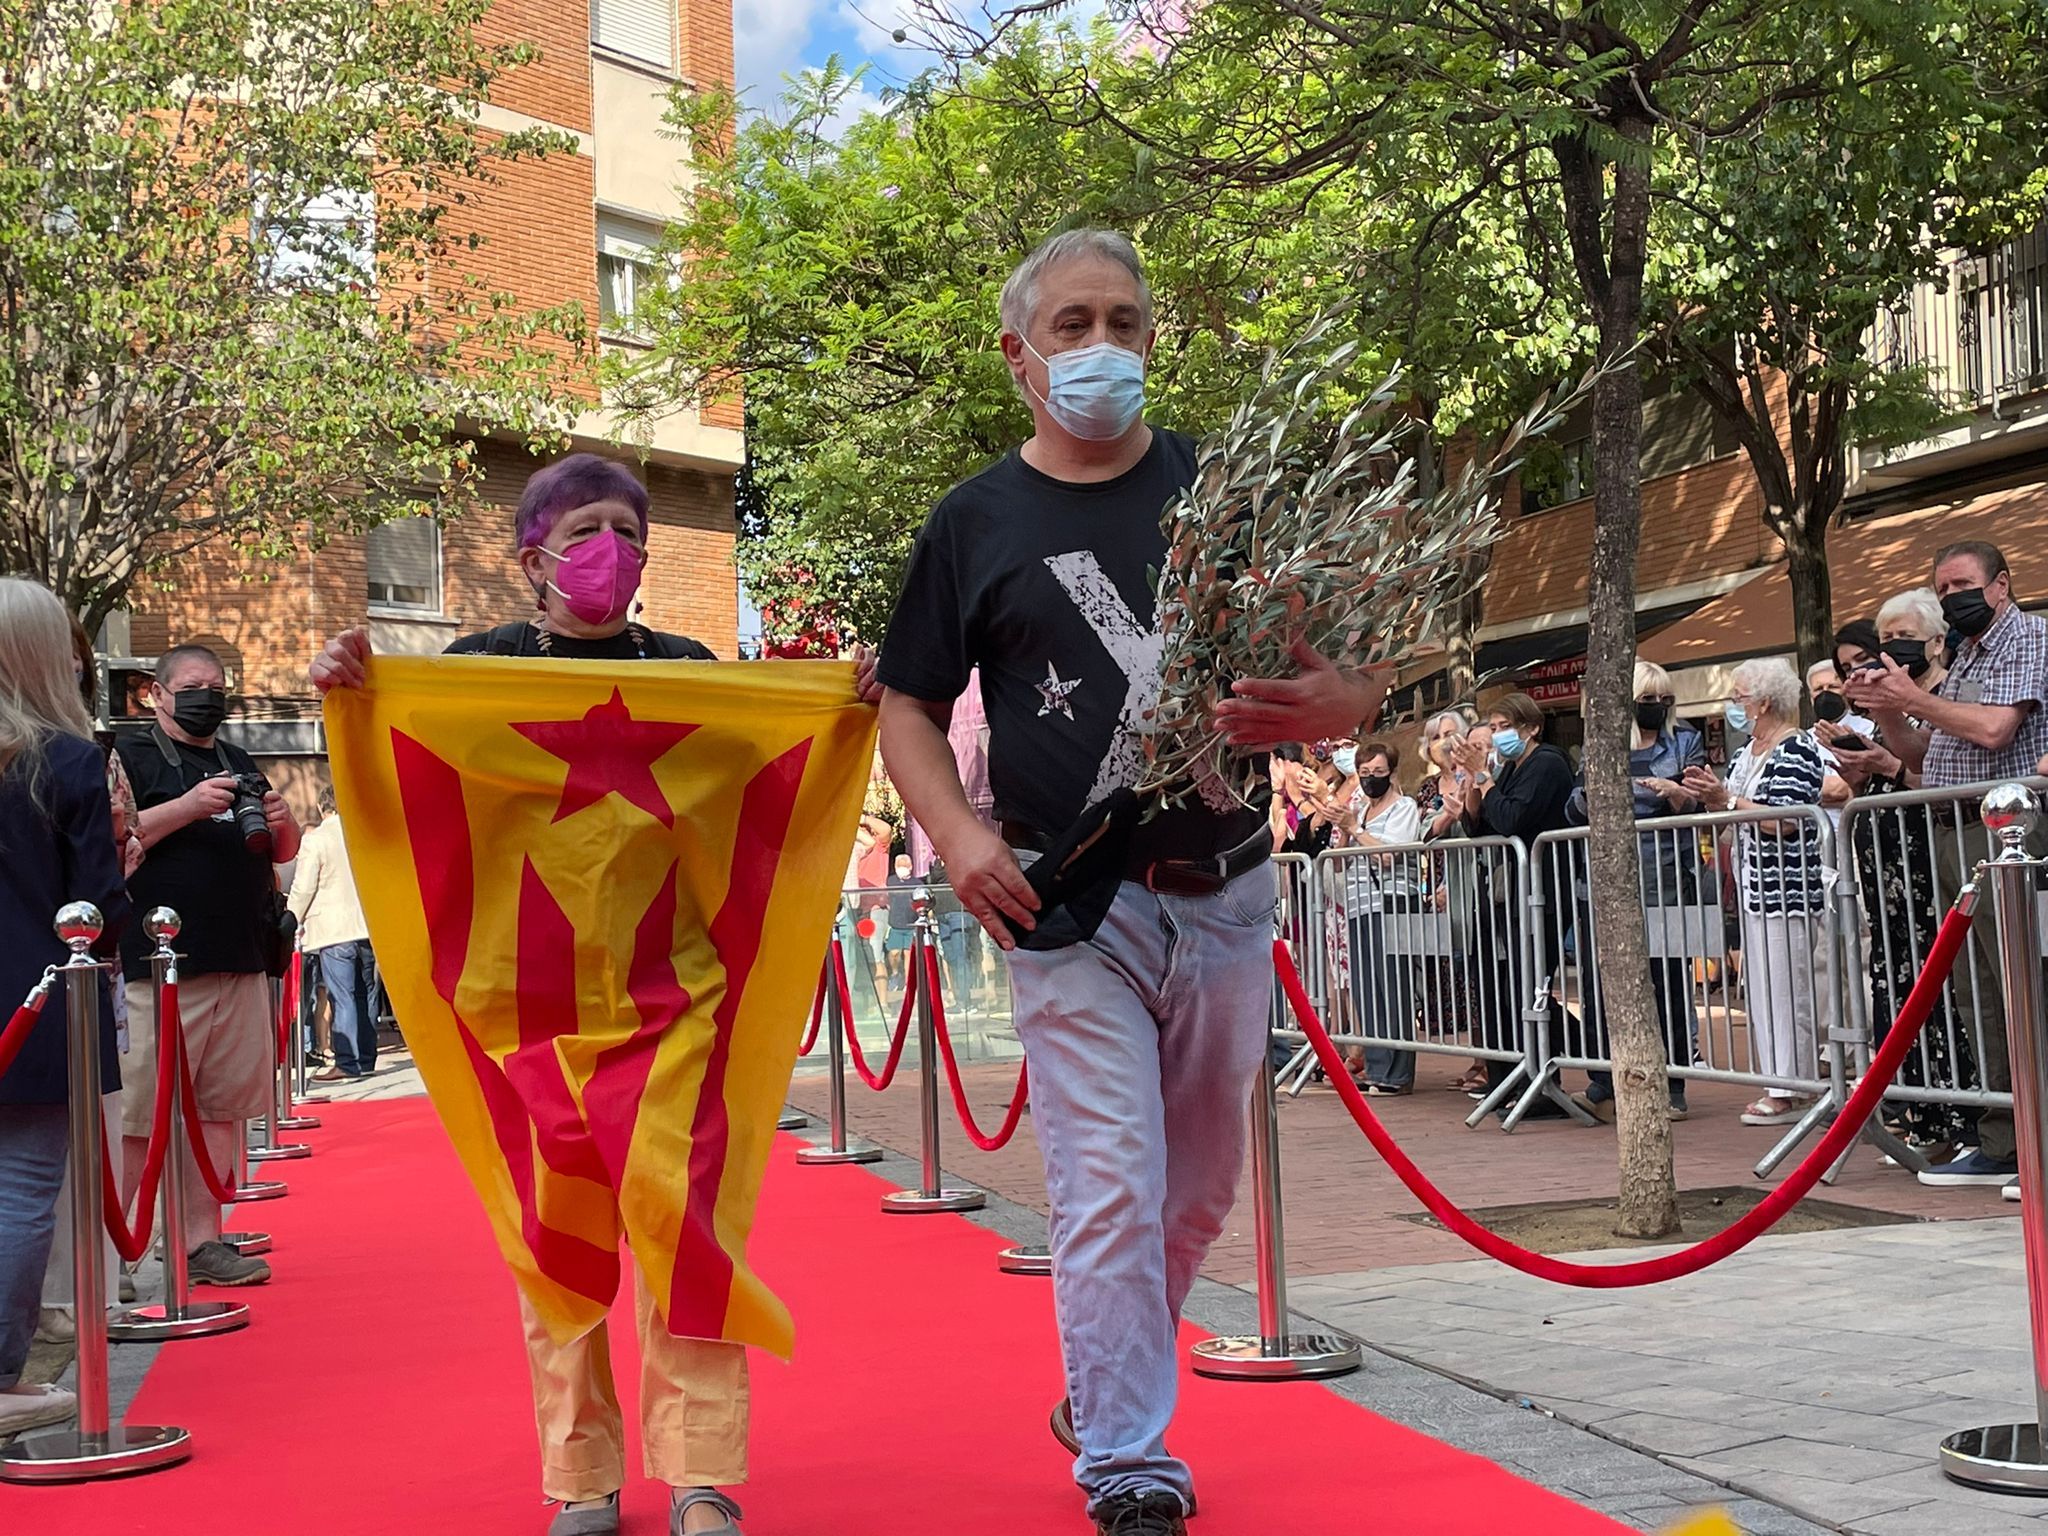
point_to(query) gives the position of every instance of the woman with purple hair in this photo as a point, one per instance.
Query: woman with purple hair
(582, 535)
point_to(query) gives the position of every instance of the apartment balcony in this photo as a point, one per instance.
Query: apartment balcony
(1984, 338)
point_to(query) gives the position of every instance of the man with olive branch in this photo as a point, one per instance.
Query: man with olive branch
(1140, 949)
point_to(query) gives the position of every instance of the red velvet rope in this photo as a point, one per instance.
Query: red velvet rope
(860, 1062)
(1848, 1125)
(132, 1245)
(975, 1134)
(817, 1014)
(222, 1189)
(15, 1036)
(288, 1006)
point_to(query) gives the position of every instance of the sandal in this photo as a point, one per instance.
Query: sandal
(1770, 1111)
(684, 1499)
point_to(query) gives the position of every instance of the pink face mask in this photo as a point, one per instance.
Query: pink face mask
(596, 579)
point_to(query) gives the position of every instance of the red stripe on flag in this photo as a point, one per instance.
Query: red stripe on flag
(612, 1097)
(700, 1286)
(430, 790)
(547, 1010)
(437, 825)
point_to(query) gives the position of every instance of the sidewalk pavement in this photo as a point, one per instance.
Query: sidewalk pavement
(1816, 1373)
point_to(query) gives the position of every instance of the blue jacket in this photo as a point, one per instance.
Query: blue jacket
(59, 851)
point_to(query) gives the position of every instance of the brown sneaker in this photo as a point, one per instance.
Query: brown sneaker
(1063, 1426)
(215, 1263)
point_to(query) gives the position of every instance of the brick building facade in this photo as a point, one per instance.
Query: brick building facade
(571, 228)
(1710, 580)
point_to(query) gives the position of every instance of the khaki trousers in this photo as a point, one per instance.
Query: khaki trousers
(693, 1407)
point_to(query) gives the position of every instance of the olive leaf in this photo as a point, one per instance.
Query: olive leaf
(1296, 527)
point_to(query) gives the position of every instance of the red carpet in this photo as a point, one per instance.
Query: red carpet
(382, 1388)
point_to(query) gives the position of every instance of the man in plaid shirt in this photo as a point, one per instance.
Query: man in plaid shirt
(1986, 721)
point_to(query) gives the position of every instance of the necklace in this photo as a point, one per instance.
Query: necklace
(546, 640)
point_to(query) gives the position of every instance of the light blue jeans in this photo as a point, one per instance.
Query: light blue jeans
(1142, 1044)
(33, 1149)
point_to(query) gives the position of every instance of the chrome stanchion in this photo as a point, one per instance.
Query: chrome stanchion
(1025, 1261)
(2009, 1458)
(1276, 1354)
(294, 1074)
(247, 1188)
(177, 1316)
(309, 1007)
(835, 1049)
(931, 1193)
(270, 1149)
(97, 1446)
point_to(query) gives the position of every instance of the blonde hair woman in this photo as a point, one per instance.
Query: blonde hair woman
(54, 848)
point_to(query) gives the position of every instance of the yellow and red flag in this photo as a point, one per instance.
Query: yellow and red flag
(597, 894)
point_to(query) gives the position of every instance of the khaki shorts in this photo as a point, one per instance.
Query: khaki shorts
(227, 1023)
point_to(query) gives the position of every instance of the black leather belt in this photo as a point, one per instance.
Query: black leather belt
(1167, 877)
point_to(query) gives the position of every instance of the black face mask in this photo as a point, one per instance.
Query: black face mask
(1829, 706)
(1375, 784)
(199, 711)
(1652, 713)
(1967, 611)
(1910, 654)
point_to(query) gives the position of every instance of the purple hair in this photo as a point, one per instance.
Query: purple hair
(570, 483)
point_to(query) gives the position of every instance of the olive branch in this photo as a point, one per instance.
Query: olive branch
(1295, 530)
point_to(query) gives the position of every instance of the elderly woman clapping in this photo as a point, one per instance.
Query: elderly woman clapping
(1779, 871)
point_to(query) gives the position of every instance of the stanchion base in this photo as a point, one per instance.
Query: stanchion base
(792, 1121)
(261, 1189)
(143, 1325)
(915, 1202)
(2004, 1458)
(283, 1150)
(1298, 1357)
(825, 1157)
(248, 1244)
(65, 1456)
(1024, 1261)
(299, 1122)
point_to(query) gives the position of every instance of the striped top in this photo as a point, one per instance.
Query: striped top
(1780, 872)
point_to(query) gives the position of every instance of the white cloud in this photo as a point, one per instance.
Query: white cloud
(770, 39)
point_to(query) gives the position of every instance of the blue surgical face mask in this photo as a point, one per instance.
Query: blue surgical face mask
(1346, 759)
(1094, 392)
(1508, 744)
(1736, 716)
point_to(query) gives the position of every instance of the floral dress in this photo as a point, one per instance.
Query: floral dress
(1895, 870)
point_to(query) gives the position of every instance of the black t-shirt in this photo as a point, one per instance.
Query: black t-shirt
(902, 900)
(634, 642)
(204, 871)
(1047, 587)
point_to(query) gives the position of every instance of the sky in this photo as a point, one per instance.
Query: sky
(774, 38)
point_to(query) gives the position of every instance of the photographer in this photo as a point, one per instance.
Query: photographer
(213, 827)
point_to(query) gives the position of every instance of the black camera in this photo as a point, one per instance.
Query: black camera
(247, 810)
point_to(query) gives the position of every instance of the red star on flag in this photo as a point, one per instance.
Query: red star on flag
(609, 753)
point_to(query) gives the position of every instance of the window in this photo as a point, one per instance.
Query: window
(328, 242)
(405, 565)
(639, 29)
(1557, 472)
(625, 271)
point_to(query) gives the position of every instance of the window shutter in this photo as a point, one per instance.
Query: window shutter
(405, 563)
(640, 29)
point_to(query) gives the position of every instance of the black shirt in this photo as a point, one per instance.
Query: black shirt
(632, 643)
(902, 900)
(204, 871)
(1047, 586)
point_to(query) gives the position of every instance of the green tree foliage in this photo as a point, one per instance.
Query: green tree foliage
(850, 276)
(233, 294)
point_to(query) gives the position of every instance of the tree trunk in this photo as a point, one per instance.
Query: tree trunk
(1806, 566)
(1649, 1192)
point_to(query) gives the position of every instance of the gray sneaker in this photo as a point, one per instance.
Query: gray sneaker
(215, 1263)
(683, 1499)
(591, 1517)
